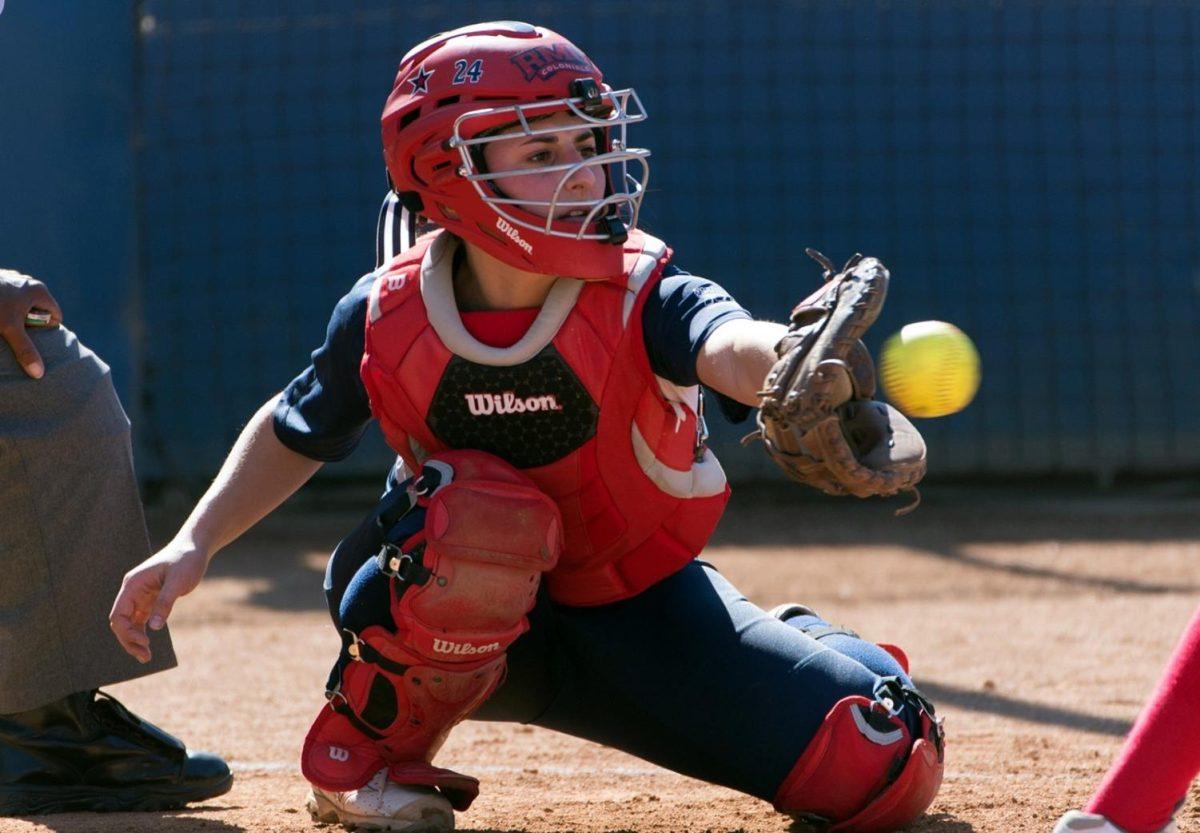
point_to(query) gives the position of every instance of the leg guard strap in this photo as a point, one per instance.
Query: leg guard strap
(863, 772)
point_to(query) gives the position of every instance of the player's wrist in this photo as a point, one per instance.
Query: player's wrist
(192, 540)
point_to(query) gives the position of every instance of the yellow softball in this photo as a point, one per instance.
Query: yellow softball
(929, 369)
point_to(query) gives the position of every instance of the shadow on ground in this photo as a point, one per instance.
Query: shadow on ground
(781, 514)
(1072, 578)
(195, 820)
(951, 519)
(285, 553)
(1023, 710)
(288, 548)
(940, 823)
(928, 823)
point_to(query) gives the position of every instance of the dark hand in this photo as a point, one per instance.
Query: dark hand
(19, 295)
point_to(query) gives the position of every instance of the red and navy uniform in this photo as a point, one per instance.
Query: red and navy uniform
(675, 667)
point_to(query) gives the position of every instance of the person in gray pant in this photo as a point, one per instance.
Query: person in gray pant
(71, 524)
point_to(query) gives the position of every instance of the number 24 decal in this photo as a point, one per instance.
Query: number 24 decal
(463, 73)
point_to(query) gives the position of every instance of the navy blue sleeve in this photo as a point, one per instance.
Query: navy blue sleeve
(679, 316)
(323, 412)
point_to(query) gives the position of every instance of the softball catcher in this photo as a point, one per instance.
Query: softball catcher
(536, 362)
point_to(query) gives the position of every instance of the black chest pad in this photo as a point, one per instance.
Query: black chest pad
(529, 414)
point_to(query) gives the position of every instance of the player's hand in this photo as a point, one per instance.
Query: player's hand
(20, 295)
(150, 590)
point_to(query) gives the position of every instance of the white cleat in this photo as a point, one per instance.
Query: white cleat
(1077, 822)
(381, 804)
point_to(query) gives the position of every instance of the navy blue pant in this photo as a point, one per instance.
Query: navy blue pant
(688, 675)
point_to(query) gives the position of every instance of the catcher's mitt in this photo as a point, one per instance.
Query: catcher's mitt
(817, 417)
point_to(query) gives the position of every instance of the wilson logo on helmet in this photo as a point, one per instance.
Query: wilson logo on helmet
(546, 61)
(513, 234)
(486, 404)
(445, 646)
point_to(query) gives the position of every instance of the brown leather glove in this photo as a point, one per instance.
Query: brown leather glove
(818, 417)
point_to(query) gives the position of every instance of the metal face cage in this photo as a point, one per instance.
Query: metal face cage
(623, 197)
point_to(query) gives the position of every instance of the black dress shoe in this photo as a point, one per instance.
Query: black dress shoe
(87, 752)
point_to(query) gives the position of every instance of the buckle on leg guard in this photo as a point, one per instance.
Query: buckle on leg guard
(336, 700)
(889, 696)
(335, 697)
(354, 645)
(360, 650)
(403, 566)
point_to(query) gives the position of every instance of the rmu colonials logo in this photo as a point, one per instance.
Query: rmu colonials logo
(445, 646)
(486, 404)
(546, 61)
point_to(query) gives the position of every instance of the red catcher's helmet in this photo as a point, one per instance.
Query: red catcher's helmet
(452, 94)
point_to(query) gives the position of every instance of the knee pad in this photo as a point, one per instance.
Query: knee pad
(864, 771)
(459, 592)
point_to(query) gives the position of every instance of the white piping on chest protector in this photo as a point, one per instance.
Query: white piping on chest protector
(437, 291)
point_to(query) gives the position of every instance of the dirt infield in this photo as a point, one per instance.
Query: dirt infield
(1037, 623)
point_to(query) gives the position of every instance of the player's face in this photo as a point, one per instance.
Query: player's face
(533, 153)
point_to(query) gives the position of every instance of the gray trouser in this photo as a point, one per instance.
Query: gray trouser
(71, 525)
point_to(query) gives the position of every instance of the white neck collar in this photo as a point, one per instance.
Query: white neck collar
(437, 290)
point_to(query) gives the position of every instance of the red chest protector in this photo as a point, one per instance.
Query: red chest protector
(573, 403)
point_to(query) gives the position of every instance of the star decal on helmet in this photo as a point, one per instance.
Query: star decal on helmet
(420, 81)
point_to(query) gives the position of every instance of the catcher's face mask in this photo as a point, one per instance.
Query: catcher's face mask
(552, 205)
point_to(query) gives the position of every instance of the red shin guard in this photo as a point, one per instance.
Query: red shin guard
(863, 772)
(460, 592)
